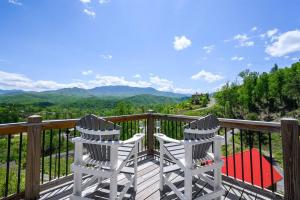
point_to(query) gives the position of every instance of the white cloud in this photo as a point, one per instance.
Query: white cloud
(267, 58)
(284, 44)
(249, 65)
(117, 80)
(181, 42)
(106, 57)
(15, 2)
(237, 58)
(207, 76)
(272, 32)
(295, 59)
(104, 1)
(19, 81)
(85, 1)
(254, 28)
(88, 72)
(243, 40)
(163, 84)
(89, 12)
(137, 76)
(208, 49)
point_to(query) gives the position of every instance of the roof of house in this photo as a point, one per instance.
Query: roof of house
(256, 166)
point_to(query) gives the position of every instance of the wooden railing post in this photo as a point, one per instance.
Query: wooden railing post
(150, 132)
(32, 178)
(291, 158)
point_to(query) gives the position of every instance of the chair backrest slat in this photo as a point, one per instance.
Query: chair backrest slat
(97, 125)
(203, 128)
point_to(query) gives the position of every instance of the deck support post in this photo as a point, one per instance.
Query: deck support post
(32, 177)
(291, 158)
(150, 132)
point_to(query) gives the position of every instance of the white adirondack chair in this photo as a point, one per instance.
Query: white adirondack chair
(191, 155)
(106, 156)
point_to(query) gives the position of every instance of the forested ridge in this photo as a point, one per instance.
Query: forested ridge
(264, 96)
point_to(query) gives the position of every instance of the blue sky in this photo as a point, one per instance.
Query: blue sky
(171, 45)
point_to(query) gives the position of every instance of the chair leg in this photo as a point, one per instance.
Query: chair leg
(113, 187)
(99, 180)
(77, 189)
(218, 181)
(161, 165)
(135, 167)
(217, 171)
(188, 184)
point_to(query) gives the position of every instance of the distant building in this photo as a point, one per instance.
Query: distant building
(196, 98)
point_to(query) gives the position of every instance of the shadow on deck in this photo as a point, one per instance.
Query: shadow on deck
(148, 186)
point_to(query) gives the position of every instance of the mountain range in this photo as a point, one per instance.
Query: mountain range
(104, 91)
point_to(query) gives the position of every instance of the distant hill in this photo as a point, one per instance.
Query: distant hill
(147, 99)
(10, 91)
(104, 91)
(121, 91)
(83, 101)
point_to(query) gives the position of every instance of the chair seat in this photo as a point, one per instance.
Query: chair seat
(177, 152)
(123, 153)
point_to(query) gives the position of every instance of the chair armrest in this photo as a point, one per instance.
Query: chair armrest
(135, 138)
(85, 141)
(164, 138)
(219, 138)
(203, 141)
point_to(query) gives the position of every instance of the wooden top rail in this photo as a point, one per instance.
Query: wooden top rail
(228, 123)
(13, 128)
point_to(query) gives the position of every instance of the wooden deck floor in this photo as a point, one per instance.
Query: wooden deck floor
(148, 186)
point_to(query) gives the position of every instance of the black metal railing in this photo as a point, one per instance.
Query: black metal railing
(12, 157)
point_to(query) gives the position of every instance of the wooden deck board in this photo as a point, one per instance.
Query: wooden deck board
(148, 187)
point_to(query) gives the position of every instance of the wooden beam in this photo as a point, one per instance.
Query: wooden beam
(32, 177)
(291, 158)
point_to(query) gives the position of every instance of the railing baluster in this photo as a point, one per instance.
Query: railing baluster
(260, 160)
(123, 131)
(131, 131)
(242, 155)
(146, 135)
(233, 153)
(271, 162)
(43, 155)
(251, 164)
(181, 130)
(59, 144)
(20, 162)
(50, 158)
(127, 132)
(7, 165)
(172, 129)
(176, 125)
(226, 152)
(67, 153)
